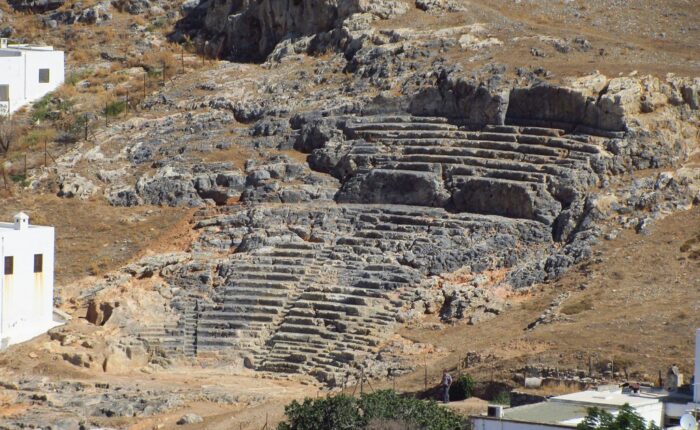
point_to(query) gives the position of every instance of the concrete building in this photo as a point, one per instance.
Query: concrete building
(565, 412)
(27, 73)
(26, 280)
(663, 407)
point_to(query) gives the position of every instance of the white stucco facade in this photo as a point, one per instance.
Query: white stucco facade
(27, 73)
(26, 280)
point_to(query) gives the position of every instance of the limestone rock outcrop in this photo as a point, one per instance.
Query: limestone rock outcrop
(246, 30)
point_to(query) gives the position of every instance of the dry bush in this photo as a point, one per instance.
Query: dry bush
(9, 134)
(154, 62)
(35, 138)
(80, 56)
(578, 307)
(138, 20)
(66, 92)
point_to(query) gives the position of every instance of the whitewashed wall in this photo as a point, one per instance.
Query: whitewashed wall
(20, 69)
(52, 60)
(26, 309)
(12, 74)
(495, 424)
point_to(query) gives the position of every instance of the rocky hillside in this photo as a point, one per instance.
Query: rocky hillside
(363, 166)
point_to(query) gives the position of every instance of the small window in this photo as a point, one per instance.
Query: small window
(9, 265)
(4, 93)
(44, 76)
(38, 263)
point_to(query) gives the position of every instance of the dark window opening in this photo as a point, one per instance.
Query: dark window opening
(4, 93)
(9, 265)
(38, 263)
(44, 76)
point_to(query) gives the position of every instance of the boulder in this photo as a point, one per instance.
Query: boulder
(395, 187)
(506, 198)
(439, 6)
(470, 100)
(189, 419)
(73, 185)
(120, 358)
(98, 313)
(36, 6)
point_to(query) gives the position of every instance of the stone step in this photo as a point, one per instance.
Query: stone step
(542, 131)
(477, 171)
(232, 316)
(236, 308)
(391, 126)
(477, 144)
(268, 293)
(557, 168)
(451, 155)
(394, 119)
(349, 309)
(254, 283)
(268, 268)
(336, 298)
(256, 300)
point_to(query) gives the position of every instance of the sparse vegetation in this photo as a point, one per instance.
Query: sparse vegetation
(114, 108)
(577, 307)
(8, 134)
(502, 398)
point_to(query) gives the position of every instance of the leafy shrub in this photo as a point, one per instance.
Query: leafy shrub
(76, 77)
(502, 398)
(19, 178)
(50, 108)
(462, 388)
(626, 419)
(344, 413)
(332, 413)
(114, 108)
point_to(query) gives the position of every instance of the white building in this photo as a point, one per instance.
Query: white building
(564, 412)
(27, 73)
(26, 280)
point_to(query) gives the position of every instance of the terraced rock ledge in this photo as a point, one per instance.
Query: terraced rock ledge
(318, 286)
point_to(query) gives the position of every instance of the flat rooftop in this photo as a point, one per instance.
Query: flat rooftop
(27, 48)
(11, 226)
(614, 398)
(554, 413)
(570, 409)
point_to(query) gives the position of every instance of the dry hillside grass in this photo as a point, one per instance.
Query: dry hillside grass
(93, 238)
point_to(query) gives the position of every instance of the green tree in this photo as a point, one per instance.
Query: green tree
(332, 413)
(626, 419)
(344, 412)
